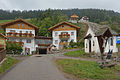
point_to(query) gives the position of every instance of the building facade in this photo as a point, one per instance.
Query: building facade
(63, 33)
(22, 32)
(42, 44)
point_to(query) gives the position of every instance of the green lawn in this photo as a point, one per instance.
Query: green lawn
(78, 53)
(7, 64)
(88, 70)
(4, 21)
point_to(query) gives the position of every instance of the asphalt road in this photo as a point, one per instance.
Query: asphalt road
(35, 68)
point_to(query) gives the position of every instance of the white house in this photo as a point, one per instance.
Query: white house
(84, 19)
(22, 32)
(63, 33)
(95, 37)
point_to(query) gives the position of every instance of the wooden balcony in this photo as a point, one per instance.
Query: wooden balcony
(21, 35)
(43, 44)
(64, 36)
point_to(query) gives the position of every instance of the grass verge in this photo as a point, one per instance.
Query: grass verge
(7, 64)
(88, 70)
(78, 53)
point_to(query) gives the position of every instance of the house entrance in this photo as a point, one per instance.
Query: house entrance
(42, 51)
(89, 45)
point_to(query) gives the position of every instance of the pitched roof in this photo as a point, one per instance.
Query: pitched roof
(3, 35)
(99, 29)
(18, 20)
(51, 28)
(75, 15)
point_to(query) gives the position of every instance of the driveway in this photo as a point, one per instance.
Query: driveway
(35, 68)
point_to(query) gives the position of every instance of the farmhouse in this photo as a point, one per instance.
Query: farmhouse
(2, 46)
(63, 33)
(95, 37)
(74, 18)
(84, 19)
(22, 32)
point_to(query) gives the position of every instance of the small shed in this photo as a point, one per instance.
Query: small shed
(99, 38)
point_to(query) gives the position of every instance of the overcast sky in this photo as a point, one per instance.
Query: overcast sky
(59, 4)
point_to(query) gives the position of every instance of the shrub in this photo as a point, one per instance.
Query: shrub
(13, 48)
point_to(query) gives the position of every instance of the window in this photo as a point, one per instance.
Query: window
(56, 41)
(56, 33)
(18, 24)
(28, 41)
(111, 41)
(86, 45)
(46, 41)
(20, 31)
(93, 43)
(12, 31)
(22, 24)
(50, 42)
(41, 41)
(62, 26)
(13, 40)
(30, 31)
(72, 33)
(37, 41)
(64, 32)
(26, 31)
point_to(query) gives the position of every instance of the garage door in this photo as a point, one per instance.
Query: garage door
(42, 51)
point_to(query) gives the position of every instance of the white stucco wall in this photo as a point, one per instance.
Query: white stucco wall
(26, 45)
(59, 32)
(111, 47)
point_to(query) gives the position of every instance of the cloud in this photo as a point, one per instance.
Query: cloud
(59, 4)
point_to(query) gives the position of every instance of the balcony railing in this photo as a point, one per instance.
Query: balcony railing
(64, 36)
(26, 35)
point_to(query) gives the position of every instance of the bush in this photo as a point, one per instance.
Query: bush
(80, 44)
(77, 44)
(72, 44)
(13, 48)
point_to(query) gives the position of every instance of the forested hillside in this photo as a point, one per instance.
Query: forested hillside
(95, 15)
(48, 18)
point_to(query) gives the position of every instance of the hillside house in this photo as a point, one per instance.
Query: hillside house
(84, 19)
(96, 36)
(62, 33)
(22, 32)
(74, 18)
(2, 46)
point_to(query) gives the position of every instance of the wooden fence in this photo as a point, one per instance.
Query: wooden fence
(2, 54)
